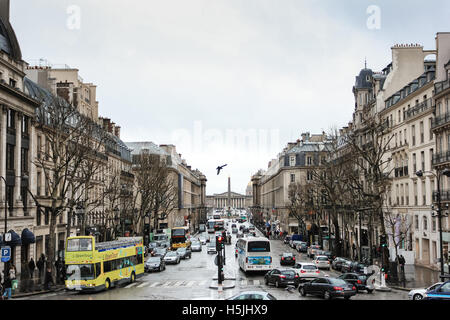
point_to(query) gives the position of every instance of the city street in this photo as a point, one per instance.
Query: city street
(190, 280)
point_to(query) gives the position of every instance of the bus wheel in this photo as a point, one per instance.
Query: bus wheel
(133, 277)
(107, 284)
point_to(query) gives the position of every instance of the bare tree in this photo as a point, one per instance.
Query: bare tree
(72, 145)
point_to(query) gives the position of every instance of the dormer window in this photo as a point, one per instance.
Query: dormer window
(292, 161)
(12, 83)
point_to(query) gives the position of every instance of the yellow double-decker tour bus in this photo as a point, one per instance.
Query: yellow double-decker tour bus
(180, 238)
(92, 266)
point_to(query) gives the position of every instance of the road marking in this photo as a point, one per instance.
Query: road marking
(132, 285)
(178, 283)
(166, 284)
(143, 284)
(190, 283)
(154, 284)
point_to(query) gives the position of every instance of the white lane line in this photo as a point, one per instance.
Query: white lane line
(167, 283)
(190, 283)
(178, 284)
(131, 285)
(143, 284)
(154, 284)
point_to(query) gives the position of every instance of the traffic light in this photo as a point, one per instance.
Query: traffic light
(219, 243)
(383, 242)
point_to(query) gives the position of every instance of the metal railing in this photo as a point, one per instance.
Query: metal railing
(421, 107)
(441, 86)
(441, 157)
(440, 120)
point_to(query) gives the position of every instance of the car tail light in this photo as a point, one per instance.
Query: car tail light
(359, 281)
(293, 258)
(354, 288)
(282, 258)
(317, 271)
(296, 276)
(302, 271)
(246, 260)
(338, 289)
(282, 277)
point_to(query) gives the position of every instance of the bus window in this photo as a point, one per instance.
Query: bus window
(98, 269)
(80, 272)
(79, 245)
(258, 246)
(139, 258)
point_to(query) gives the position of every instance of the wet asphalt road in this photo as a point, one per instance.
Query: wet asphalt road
(190, 280)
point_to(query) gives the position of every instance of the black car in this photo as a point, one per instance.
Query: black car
(337, 263)
(346, 266)
(184, 253)
(287, 258)
(282, 278)
(358, 267)
(358, 280)
(328, 288)
(154, 264)
(302, 247)
(287, 239)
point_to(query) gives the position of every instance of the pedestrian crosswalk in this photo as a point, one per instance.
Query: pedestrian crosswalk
(187, 283)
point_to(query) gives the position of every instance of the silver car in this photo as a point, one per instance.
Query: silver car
(419, 294)
(322, 262)
(307, 271)
(211, 248)
(172, 258)
(196, 246)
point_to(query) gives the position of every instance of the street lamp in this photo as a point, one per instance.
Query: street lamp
(445, 172)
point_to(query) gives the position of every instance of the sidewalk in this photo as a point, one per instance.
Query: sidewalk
(417, 277)
(33, 287)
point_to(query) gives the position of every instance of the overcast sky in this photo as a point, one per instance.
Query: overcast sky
(226, 81)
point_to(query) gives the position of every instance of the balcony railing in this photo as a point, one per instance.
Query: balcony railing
(440, 120)
(421, 107)
(441, 86)
(442, 157)
(401, 172)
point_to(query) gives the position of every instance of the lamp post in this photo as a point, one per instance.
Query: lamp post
(445, 172)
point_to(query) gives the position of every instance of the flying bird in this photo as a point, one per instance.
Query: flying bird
(220, 168)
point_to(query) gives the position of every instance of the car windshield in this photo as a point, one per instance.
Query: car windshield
(258, 246)
(338, 282)
(160, 237)
(287, 254)
(288, 273)
(322, 258)
(153, 260)
(171, 254)
(80, 272)
(182, 250)
(309, 267)
(361, 277)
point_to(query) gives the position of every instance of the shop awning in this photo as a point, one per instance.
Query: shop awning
(28, 237)
(15, 239)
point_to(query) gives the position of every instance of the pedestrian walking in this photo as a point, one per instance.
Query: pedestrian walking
(58, 270)
(12, 272)
(7, 284)
(48, 278)
(31, 267)
(402, 262)
(41, 267)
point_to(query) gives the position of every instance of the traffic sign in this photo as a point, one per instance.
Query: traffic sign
(8, 237)
(6, 254)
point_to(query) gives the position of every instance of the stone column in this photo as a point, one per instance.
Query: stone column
(4, 124)
(32, 182)
(17, 160)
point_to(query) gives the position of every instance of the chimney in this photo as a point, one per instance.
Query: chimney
(117, 132)
(4, 10)
(112, 128)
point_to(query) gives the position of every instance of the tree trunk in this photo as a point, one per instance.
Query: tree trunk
(51, 247)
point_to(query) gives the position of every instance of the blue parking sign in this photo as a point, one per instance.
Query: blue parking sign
(6, 254)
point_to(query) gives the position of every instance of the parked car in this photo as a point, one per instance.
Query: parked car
(302, 247)
(287, 258)
(328, 288)
(159, 252)
(184, 253)
(172, 257)
(307, 271)
(359, 281)
(154, 264)
(312, 251)
(281, 277)
(196, 246)
(441, 292)
(253, 295)
(346, 266)
(322, 262)
(211, 247)
(337, 262)
(419, 294)
(287, 239)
